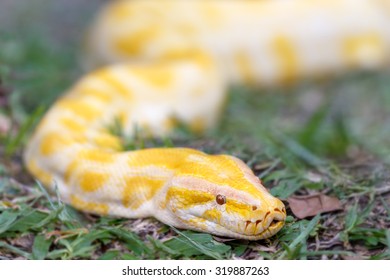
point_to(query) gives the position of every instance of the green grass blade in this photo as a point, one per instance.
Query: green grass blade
(303, 236)
(198, 246)
(132, 241)
(40, 247)
(15, 250)
(7, 218)
(13, 143)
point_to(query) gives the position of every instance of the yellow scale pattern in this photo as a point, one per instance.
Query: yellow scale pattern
(172, 61)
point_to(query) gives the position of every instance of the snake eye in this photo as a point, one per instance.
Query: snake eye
(221, 199)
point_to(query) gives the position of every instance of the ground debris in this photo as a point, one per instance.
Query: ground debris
(311, 205)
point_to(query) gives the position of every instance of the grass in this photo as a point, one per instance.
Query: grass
(317, 136)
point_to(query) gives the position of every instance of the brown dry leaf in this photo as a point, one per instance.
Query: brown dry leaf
(310, 205)
(25, 241)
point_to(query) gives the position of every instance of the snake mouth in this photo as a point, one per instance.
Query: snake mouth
(219, 229)
(275, 224)
(257, 225)
(264, 228)
(273, 228)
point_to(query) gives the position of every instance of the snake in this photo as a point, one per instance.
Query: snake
(151, 64)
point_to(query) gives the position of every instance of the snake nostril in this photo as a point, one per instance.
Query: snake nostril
(254, 208)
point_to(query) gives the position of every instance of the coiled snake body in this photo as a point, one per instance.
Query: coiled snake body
(172, 59)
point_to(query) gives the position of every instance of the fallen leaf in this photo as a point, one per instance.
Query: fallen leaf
(310, 205)
(24, 242)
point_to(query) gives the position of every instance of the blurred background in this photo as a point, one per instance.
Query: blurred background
(40, 48)
(40, 42)
(329, 135)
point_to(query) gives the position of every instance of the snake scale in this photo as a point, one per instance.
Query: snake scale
(166, 60)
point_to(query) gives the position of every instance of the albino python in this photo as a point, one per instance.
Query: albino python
(172, 60)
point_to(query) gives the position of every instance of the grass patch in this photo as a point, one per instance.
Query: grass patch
(313, 137)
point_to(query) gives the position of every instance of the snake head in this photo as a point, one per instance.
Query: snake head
(221, 195)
